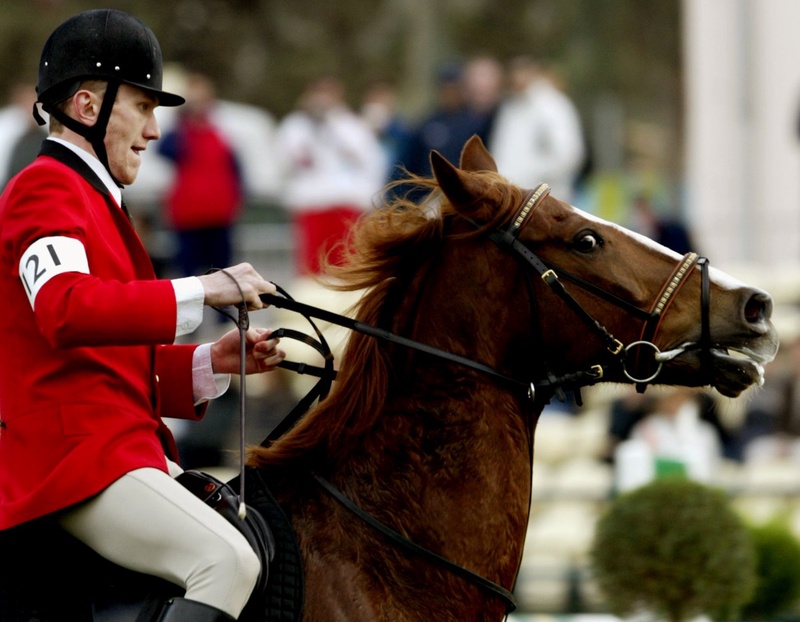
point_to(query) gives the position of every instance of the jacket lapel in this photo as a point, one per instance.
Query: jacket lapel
(122, 219)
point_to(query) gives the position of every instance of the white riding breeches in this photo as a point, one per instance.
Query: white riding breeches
(148, 522)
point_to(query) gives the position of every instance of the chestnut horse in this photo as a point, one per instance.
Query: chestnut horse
(440, 452)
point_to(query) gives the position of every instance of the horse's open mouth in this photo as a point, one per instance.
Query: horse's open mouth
(733, 368)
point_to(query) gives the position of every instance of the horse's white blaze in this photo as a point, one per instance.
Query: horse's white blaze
(718, 277)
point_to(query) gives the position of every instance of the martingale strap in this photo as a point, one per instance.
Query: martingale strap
(505, 595)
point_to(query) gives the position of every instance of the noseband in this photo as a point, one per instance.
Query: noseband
(628, 356)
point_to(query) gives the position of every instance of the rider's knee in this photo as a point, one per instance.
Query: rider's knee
(231, 562)
(248, 566)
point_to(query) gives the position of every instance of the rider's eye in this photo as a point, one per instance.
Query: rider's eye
(587, 241)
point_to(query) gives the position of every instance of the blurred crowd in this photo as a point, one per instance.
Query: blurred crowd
(328, 161)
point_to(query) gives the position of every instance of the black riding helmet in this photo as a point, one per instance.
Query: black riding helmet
(102, 44)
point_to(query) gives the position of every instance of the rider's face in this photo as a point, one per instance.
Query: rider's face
(131, 126)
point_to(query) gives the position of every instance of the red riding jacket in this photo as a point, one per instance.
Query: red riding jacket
(87, 374)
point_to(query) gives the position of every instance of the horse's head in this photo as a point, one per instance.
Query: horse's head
(694, 325)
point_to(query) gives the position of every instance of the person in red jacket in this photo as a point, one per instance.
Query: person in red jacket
(207, 193)
(89, 366)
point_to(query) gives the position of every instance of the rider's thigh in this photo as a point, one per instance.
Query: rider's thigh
(148, 522)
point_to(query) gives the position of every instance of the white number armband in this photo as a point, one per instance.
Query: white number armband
(46, 258)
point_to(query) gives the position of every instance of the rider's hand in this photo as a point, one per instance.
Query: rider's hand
(220, 288)
(262, 352)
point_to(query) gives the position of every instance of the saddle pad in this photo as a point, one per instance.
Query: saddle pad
(283, 599)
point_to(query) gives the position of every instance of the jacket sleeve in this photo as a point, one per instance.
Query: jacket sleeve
(74, 310)
(111, 305)
(175, 394)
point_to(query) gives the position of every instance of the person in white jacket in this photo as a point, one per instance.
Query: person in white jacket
(332, 166)
(537, 135)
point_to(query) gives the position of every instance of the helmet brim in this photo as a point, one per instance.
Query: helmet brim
(164, 98)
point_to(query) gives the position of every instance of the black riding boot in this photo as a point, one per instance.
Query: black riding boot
(182, 610)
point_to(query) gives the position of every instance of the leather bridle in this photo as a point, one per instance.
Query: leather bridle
(618, 353)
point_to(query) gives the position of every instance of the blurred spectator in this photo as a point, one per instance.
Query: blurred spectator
(379, 111)
(332, 166)
(678, 432)
(20, 135)
(447, 128)
(207, 192)
(670, 232)
(249, 131)
(537, 135)
(771, 428)
(484, 81)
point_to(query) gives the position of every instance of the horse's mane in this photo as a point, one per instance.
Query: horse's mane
(387, 248)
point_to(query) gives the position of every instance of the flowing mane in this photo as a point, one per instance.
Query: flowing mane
(387, 256)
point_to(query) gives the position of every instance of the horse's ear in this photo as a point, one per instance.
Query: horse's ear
(475, 156)
(455, 184)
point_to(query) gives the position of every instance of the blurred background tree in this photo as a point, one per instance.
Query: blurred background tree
(778, 570)
(616, 57)
(674, 548)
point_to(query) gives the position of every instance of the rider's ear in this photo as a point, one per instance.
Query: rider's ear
(86, 106)
(475, 156)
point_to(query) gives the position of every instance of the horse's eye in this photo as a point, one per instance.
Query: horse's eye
(587, 242)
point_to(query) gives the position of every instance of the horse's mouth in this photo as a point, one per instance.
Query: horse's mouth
(732, 371)
(732, 368)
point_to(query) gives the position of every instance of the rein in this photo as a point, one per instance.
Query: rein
(507, 240)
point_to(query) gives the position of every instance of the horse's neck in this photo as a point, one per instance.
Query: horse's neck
(446, 462)
(451, 450)
(453, 475)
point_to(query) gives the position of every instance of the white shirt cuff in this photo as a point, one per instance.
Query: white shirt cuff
(206, 385)
(190, 296)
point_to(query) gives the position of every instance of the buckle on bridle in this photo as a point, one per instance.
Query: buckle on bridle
(549, 276)
(616, 348)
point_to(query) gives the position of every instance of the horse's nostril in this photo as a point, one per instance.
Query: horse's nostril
(757, 308)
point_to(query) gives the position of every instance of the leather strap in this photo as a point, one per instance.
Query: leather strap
(400, 540)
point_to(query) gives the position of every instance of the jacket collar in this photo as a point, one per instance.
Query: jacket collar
(86, 165)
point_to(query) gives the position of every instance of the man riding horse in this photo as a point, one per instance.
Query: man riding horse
(90, 366)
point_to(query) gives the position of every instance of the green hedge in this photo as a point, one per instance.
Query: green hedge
(675, 548)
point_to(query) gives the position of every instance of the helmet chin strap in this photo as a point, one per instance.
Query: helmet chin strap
(96, 133)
